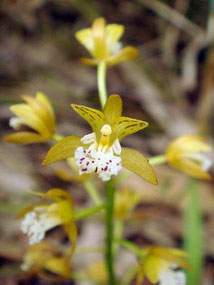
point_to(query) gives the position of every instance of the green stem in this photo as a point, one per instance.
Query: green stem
(57, 137)
(101, 81)
(89, 187)
(158, 159)
(88, 212)
(118, 232)
(131, 246)
(193, 239)
(110, 189)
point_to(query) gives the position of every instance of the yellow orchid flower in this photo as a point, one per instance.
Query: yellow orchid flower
(125, 202)
(104, 154)
(102, 42)
(37, 114)
(39, 218)
(43, 257)
(158, 265)
(187, 154)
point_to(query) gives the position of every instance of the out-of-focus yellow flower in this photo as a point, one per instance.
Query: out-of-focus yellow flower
(158, 264)
(39, 218)
(125, 202)
(102, 42)
(187, 154)
(37, 114)
(104, 155)
(43, 257)
(73, 174)
(97, 272)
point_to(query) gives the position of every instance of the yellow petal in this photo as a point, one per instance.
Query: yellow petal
(152, 267)
(24, 137)
(94, 117)
(125, 54)
(137, 163)
(71, 230)
(98, 34)
(58, 266)
(85, 38)
(124, 126)
(59, 195)
(113, 34)
(31, 119)
(90, 61)
(42, 112)
(187, 143)
(140, 276)
(49, 108)
(191, 168)
(173, 256)
(44, 100)
(63, 149)
(113, 108)
(29, 209)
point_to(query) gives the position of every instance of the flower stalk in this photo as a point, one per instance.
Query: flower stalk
(101, 81)
(92, 192)
(110, 191)
(159, 159)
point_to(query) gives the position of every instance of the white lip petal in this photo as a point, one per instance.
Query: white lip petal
(201, 158)
(170, 277)
(16, 122)
(105, 164)
(36, 223)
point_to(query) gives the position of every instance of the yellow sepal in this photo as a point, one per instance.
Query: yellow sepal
(23, 138)
(98, 34)
(31, 119)
(113, 33)
(125, 54)
(124, 126)
(94, 117)
(58, 266)
(113, 108)
(63, 149)
(137, 163)
(191, 168)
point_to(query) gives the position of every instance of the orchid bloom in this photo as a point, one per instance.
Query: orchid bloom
(39, 218)
(37, 114)
(158, 265)
(43, 257)
(100, 152)
(187, 154)
(102, 42)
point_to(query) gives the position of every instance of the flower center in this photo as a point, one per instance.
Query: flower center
(99, 157)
